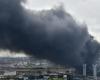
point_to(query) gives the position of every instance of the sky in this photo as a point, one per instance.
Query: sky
(84, 11)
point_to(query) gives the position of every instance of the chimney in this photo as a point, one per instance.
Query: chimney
(84, 70)
(95, 71)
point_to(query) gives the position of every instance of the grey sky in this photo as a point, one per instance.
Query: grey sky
(86, 11)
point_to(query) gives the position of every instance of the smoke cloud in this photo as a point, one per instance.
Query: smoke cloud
(49, 34)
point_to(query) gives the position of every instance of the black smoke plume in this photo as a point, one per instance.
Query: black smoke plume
(48, 34)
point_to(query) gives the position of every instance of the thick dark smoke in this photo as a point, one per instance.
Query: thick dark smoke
(49, 34)
(91, 53)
